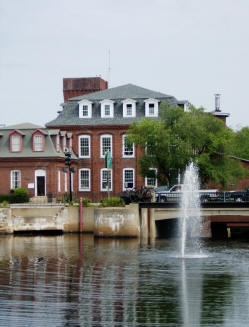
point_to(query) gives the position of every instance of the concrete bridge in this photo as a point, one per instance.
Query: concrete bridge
(219, 219)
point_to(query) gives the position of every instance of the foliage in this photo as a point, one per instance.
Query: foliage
(4, 203)
(179, 137)
(86, 202)
(112, 202)
(17, 195)
(240, 145)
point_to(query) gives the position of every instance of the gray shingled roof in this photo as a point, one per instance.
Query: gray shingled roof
(128, 91)
(26, 130)
(70, 113)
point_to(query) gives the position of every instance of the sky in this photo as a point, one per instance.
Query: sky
(190, 49)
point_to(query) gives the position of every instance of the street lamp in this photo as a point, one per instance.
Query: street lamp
(70, 170)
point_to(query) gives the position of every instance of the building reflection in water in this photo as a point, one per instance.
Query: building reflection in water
(82, 281)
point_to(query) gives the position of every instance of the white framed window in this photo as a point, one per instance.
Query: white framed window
(129, 108)
(65, 181)
(128, 178)
(16, 143)
(84, 179)
(105, 144)
(15, 179)
(84, 146)
(127, 149)
(59, 180)
(38, 142)
(107, 108)
(106, 179)
(151, 180)
(151, 107)
(85, 109)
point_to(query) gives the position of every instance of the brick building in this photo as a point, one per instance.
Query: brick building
(33, 157)
(98, 122)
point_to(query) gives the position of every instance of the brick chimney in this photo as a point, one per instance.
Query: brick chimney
(73, 87)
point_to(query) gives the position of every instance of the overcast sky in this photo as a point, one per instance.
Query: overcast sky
(190, 49)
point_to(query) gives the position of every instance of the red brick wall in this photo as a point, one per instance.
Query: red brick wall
(96, 163)
(73, 87)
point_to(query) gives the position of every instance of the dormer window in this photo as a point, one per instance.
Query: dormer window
(38, 141)
(107, 108)
(129, 108)
(151, 108)
(16, 141)
(85, 109)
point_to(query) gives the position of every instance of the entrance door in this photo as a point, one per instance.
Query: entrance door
(40, 182)
(40, 185)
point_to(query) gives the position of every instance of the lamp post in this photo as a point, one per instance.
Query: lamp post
(68, 163)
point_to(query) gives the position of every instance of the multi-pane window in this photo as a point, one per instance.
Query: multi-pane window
(129, 108)
(85, 109)
(106, 180)
(106, 145)
(151, 180)
(15, 179)
(84, 179)
(128, 149)
(151, 108)
(38, 142)
(128, 178)
(84, 146)
(107, 108)
(16, 143)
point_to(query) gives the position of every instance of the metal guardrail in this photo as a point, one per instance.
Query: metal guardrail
(223, 196)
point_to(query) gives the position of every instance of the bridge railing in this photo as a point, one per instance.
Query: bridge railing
(223, 196)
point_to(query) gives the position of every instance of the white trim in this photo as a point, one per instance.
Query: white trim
(146, 179)
(86, 189)
(88, 104)
(131, 103)
(102, 151)
(59, 180)
(83, 136)
(153, 102)
(125, 187)
(19, 179)
(105, 189)
(123, 149)
(106, 102)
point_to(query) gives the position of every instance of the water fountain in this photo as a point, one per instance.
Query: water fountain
(190, 213)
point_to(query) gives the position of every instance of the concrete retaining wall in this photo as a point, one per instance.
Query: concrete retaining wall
(117, 222)
(106, 222)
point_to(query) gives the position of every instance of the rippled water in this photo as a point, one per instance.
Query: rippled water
(73, 280)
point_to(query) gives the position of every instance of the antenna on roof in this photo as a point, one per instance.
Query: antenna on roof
(109, 68)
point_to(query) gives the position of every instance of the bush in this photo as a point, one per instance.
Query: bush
(17, 195)
(20, 195)
(112, 202)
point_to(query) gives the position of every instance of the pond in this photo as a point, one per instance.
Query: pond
(78, 280)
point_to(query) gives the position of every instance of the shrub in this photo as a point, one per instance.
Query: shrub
(20, 195)
(4, 203)
(112, 202)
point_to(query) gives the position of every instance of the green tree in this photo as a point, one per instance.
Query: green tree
(179, 137)
(240, 146)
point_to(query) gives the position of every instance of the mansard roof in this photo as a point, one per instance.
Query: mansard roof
(27, 130)
(69, 116)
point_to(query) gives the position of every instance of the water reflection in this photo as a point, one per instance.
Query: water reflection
(78, 281)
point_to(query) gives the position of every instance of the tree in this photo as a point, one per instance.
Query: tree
(240, 146)
(179, 137)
